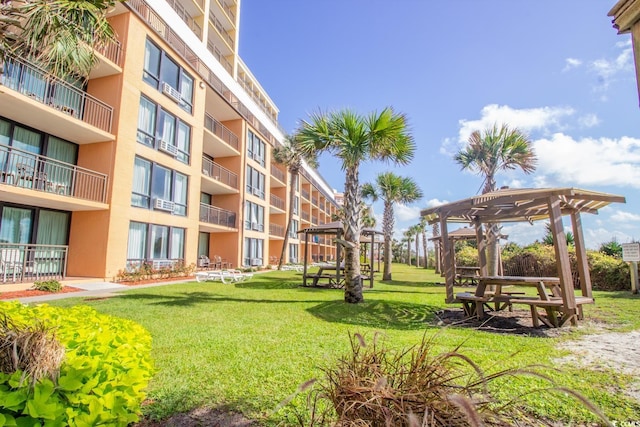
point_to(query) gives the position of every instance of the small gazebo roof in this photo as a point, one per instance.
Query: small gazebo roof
(333, 228)
(463, 233)
(522, 204)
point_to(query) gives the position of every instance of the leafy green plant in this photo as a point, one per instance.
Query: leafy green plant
(48, 285)
(611, 248)
(101, 380)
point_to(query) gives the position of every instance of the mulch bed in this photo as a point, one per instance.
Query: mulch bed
(35, 293)
(148, 281)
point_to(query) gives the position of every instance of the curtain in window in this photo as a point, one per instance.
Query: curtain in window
(159, 242)
(137, 246)
(58, 173)
(177, 243)
(203, 244)
(146, 121)
(186, 89)
(53, 228)
(15, 226)
(180, 194)
(167, 127)
(170, 72)
(141, 180)
(5, 137)
(151, 64)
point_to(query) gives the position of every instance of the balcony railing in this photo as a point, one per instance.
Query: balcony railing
(277, 202)
(219, 173)
(227, 10)
(39, 85)
(29, 262)
(213, 215)
(314, 200)
(305, 194)
(314, 220)
(26, 170)
(221, 131)
(305, 216)
(223, 33)
(276, 230)
(220, 57)
(277, 173)
(112, 51)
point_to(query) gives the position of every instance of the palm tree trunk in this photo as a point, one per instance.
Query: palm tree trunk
(387, 229)
(353, 282)
(424, 248)
(292, 196)
(417, 250)
(409, 251)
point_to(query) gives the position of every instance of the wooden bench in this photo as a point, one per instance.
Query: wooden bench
(317, 276)
(471, 304)
(552, 308)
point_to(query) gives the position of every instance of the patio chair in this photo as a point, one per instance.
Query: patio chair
(10, 263)
(204, 262)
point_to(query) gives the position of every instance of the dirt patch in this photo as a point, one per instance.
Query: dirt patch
(34, 293)
(201, 417)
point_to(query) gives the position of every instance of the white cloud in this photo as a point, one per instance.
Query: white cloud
(571, 63)
(525, 119)
(594, 237)
(588, 120)
(432, 203)
(406, 213)
(607, 69)
(565, 161)
(524, 233)
(622, 216)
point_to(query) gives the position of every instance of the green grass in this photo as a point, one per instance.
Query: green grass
(248, 346)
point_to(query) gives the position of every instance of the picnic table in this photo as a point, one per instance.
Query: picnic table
(333, 274)
(466, 276)
(549, 298)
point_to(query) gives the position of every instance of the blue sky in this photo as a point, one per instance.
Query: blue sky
(555, 69)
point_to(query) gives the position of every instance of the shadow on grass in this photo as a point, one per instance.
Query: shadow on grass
(376, 314)
(187, 299)
(407, 283)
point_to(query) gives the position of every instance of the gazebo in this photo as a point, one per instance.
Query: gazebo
(526, 204)
(368, 235)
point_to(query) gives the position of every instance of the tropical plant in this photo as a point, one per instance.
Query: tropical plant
(290, 155)
(355, 139)
(488, 152)
(392, 189)
(548, 237)
(408, 239)
(61, 34)
(611, 248)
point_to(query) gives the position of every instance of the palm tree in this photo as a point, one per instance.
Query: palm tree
(408, 237)
(290, 155)
(416, 232)
(391, 188)
(423, 231)
(355, 139)
(489, 152)
(61, 34)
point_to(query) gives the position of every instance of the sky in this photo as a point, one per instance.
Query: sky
(557, 70)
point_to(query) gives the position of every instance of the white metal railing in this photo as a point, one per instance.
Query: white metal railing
(214, 215)
(23, 262)
(219, 173)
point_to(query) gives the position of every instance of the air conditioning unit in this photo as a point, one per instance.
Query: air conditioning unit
(168, 148)
(256, 226)
(164, 205)
(256, 261)
(171, 92)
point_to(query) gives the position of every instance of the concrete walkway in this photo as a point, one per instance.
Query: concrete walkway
(95, 289)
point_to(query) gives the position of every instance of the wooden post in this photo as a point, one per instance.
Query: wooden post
(373, 240)
(581, 255)
(306, 245)
(562, 259)
(634, 277)
(449, 272)
(482, 249)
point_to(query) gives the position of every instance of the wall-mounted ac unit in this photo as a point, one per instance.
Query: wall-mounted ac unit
(256, 226)
(164, 205)
(171, 92)
(168, 148)
(256, 261)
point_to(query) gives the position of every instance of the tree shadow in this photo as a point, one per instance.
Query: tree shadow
(379, 314)
(188, 299)
(408, 283)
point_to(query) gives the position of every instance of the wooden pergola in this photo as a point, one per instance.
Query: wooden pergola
(526, 204)
(367, 235)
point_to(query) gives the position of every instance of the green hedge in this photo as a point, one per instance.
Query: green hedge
(103, 377)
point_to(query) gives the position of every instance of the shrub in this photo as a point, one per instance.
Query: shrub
(467, 256)
(101, 380)
(608, 273)
(48, 285)
(145, 271)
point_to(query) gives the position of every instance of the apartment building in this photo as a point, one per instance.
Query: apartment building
(163, 156)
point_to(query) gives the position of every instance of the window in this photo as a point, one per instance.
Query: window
(253, 217)
(161, 72)
(159, 129)
(158, 187)
(293, 252)
(296, 203)
(293, 230)
(256, 148)
(253, 252)
(255, 182)
(154, 242)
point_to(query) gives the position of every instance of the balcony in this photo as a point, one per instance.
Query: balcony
(314, 200)
(109, 58)
(276, 230)
(211, 47)
(228, 11)
(305, 216)
(278, 203)
(279, 176)
(30, 262)
(226, 182)
(186, 11)
(230, 139)
(217, 216)
(305, 194)
(215, 22)
(72, 187)
(33, 97)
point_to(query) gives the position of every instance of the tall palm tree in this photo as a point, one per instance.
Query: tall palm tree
(355, 139)
(61, 34)
(423, 231)
(290, 155)
(488, 152)
(416, 232)
(392, 189)
(408, 237)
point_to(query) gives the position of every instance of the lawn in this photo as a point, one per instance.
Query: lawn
(248, 346)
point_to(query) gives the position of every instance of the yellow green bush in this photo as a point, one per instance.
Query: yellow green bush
(102, 380)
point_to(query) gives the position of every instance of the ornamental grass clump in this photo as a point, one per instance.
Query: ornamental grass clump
(32, 349)
(374, 386)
